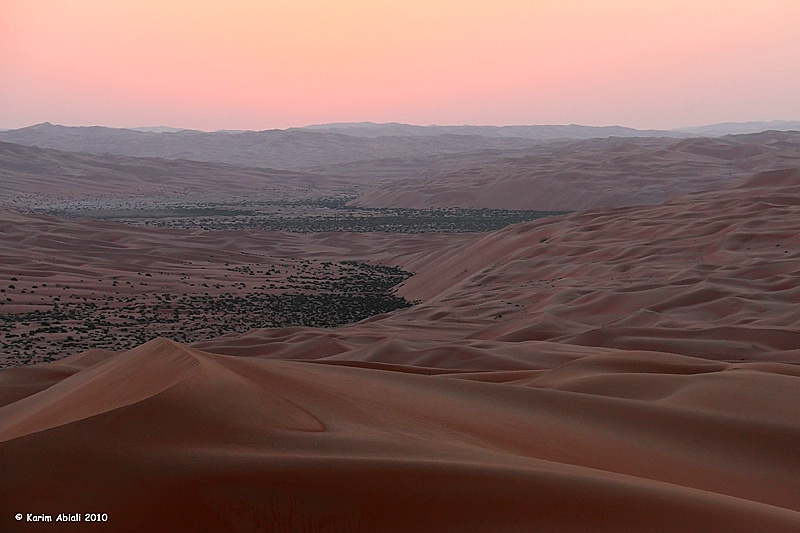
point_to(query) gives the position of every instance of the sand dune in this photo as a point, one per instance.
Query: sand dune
(54, 176)
(229, 443)
(566, 176)
(720, 265)
(634, 369)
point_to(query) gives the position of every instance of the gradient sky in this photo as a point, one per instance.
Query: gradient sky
(261, 64)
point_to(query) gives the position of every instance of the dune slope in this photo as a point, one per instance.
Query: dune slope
(228, 443)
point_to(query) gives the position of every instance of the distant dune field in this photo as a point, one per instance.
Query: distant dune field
(577, 175)
(416, 170)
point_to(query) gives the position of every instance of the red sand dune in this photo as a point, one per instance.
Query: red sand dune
(635, 369)
(42, 175)
(577, 175)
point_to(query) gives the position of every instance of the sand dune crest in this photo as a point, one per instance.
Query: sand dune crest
(118, 381)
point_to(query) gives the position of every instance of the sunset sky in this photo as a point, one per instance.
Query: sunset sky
(262, 64)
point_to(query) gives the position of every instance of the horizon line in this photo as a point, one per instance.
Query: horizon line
(394, 123)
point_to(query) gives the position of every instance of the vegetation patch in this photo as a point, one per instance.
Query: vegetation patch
(315, 294)
(309, 216)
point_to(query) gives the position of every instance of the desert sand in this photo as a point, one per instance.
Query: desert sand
(584, 174)
(53, 176)
(407, 169)
(629, 369)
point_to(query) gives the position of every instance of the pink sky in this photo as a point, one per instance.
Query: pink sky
(261, 64)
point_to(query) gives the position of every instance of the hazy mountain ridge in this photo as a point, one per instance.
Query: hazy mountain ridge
(315, 146)
(737, 128)
(296, 149)
(533, 131)
(537, 132)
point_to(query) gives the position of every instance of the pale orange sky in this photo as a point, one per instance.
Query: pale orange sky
(261, 64)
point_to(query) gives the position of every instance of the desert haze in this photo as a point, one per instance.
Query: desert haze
(361, 327)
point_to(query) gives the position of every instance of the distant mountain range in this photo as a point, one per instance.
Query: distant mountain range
(298, 149)
(568, 131)
(737, 128)
(543, 132)
(324, 145)
(159, 129)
